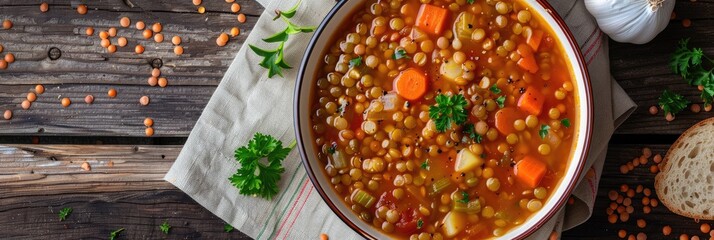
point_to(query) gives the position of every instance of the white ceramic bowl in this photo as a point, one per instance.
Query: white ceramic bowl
(306, 82)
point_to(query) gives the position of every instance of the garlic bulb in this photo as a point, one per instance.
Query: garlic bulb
(633, 21)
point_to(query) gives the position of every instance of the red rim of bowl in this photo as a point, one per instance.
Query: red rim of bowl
(572, 43)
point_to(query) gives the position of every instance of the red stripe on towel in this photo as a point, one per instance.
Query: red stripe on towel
(284, 220)
(298, 214)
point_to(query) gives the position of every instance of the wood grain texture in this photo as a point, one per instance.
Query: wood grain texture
(125, 188)
(86, 68)
(644, 72)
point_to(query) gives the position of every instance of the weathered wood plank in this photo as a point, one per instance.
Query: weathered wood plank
(174, 110)
(644, 72)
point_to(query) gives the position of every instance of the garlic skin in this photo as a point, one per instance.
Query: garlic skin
(632, 21)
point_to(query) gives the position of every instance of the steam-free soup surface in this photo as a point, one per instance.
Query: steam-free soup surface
(439, 119)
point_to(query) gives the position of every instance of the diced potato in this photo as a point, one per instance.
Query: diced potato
(389, 104)
(464, 25)
(451, 70)
(454, 223)
(553, 139)
(338, 160)
(467, 161)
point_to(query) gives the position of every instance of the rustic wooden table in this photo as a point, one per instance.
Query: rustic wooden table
(42, 149)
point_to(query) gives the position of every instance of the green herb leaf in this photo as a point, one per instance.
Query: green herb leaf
(479, 138)
(64, 213)
(470, 1)
(543, 131)
(113, 235)
(227, 228)
(356, 62)
(256, 178)
(332, 149)
(565, 122)
(399, 54)
(672, 102)
(420, 223)
(464, 197)
(501, 101)
(425, 165)
(272, 60)
(165, 227)
(684, 58)
(447, 111)
(469, 130)
(290, 12)
(495, 89)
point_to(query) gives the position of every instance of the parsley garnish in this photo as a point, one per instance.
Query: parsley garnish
(565, 122)
(356, 62)
(425, 165)
(227, 228)
(543, 131)
(464, 197)
(447, 111)
(469, 131)
(687, 62)
(501, 101)
(672, 102)
(470, 1)
(165, 227)
(113, 235)
(273, 59)
(64, 213)
(256, 178)
(399, 54)
(495, 89)
(420, 223)
(332, 149)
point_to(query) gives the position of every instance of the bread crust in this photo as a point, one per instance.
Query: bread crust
(665, 167)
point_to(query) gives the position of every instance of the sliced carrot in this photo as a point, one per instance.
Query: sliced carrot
(535, 39)
(530, 171)
(505, 118)
(431, 18)
(531, 101)
(411, 84)
(528, 63)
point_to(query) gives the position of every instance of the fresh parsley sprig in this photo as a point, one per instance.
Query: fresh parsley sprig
(543, 132)
(165, 227)
(688, 62)
(64, 213)
(273, 59)
(113, 235)
(260, 178)
(470, 131)
(672, 102)
(227, 228)
(447, 111)
(464, 197)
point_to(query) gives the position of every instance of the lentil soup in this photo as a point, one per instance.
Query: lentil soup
(444, 119)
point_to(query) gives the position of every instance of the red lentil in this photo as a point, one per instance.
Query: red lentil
(7, 115)
(669, 117)
(624, 188)
(112, 32)
(654, 169)
(144, 100)
(686, 22)
(89, 99)
(26, 104)
(39, 89)
(707, 107)
(140, 25)
(622, 233)
(112, 93)
(612, 218)
(125, 22)
(178, 50)
(44, 7)
(653, 110)
(155, 72)
(647, 192)
(31, 96)
(122, 41)
(66, 102)
(176, 40)
(646, 209)
(105, 43)
(235, 31)
(112, 48)
(695, 108)
(7, 24)
(612, 195)
(641, 236)
(85, 166)
(152, 81)
(323, 236)
(159, 37)
(148, 122)
(3, 64)
(82, 9)
(705, 228)
(641, 223)
(197, 2)
(235, 7)
(157, 27)
(163, 82)
(654, 202)
(89, 31)
(222, 39)
(147, 33)
(139, 49)
(103, 35)
(639, 188)
(666, 230)
(241, 18)
(149, 131)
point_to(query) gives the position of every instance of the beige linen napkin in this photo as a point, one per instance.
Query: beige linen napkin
(247, 101)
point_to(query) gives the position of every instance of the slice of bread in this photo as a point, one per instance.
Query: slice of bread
(685, 183)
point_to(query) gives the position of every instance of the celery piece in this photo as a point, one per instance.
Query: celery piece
(363, 198)
(472, 207)
(439, 185)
